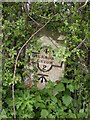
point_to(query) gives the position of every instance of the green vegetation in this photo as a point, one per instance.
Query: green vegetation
(72, 94)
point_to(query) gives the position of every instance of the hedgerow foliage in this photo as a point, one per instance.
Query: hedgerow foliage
(73, 92)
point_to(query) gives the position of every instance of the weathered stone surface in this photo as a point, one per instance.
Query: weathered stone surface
(48, 67)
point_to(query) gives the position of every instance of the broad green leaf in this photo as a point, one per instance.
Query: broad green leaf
(67, 99)
(64, 80)
(44, 113)
(60, 87)
(70, 87)
(66, 23)
(81, 111)
(71, 115)
(38, 98)
(51, 116)
(54, 99)
(3, 114)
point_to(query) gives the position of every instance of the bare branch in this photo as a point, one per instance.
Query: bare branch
(53, 42)
(83, 5)
(33, 20)
(16, 61)
(30, 16)
(81, 43)
(44, 17)
(82, 63)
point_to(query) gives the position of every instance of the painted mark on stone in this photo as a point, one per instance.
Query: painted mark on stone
(42, 78)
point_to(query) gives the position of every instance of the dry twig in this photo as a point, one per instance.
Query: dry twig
(82, 63)
(81, 43)
(30, 16)
(16, 61)
(83, 5)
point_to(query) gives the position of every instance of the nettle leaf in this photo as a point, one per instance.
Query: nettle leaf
(44, 113)
(71, 114)
(60, 87)
(29, 107)
(67, 99)
(70, 87)
(54, 99)
(38, 98)
(64, 80)
(51, 116)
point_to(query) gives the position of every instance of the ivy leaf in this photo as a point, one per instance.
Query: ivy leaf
(67, 99)
(44, 113)
(60, 87)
